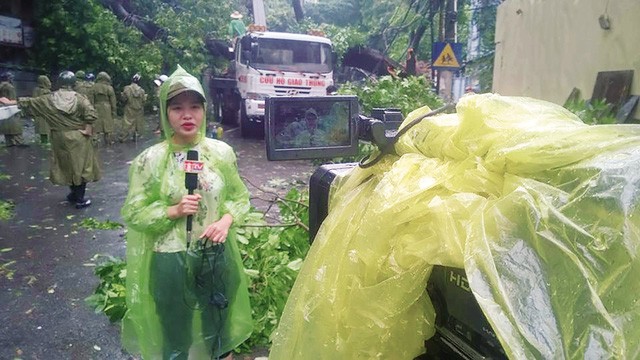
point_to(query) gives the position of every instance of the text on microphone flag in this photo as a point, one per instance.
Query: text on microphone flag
(191, 166)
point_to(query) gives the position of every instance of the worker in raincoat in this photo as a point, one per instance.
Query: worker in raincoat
(82, 86)
(43, 88)
(91, 79)
(236, 27)
(185, 299)
(158, 82)
(104, 100)
(11, 127)
(134, 98)
(303, 133)
(70, 116)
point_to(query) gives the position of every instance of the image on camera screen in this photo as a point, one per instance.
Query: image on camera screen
(310, 127)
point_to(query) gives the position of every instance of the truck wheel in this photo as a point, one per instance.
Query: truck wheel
(229, 112)
(245, 125)
(229, 104)
(229, 116)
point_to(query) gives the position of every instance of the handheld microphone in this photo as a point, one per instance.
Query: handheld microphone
(191, 167)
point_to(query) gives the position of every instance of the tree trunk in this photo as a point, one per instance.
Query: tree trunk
(414, 42)
(150, 30)
(297, 9)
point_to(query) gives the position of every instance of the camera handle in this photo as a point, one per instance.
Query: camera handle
(374, 130)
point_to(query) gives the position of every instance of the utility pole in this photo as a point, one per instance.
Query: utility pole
(259, 17)
(445, 77)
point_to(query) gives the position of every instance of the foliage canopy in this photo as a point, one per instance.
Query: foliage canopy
(85, 34)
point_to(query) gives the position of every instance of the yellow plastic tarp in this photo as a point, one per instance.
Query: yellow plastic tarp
(539, 209)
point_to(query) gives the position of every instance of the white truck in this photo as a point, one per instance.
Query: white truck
(265, 64)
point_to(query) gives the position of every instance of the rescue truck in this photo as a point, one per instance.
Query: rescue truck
(265, 63)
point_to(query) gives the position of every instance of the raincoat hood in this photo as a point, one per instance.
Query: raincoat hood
(44, 82)
(65, 100)
(179, 82)
(103, 77)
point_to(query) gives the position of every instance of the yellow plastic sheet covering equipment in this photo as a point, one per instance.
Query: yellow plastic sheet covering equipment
(540, 210)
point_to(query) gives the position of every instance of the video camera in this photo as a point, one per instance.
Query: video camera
(331, 126)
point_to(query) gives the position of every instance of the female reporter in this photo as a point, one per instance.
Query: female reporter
(185, 299)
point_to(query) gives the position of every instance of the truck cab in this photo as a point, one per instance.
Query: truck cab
(275, 64)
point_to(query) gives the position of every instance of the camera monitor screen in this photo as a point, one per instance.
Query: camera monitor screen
(306, 127)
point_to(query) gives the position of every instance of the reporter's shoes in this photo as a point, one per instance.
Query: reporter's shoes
(83, 204)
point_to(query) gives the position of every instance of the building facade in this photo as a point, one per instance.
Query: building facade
(16, 38)
(545, 49)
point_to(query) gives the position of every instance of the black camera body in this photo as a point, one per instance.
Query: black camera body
(462, 330)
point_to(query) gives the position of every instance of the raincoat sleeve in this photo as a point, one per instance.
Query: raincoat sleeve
(26, 104)
(236, 199)
(144, 209)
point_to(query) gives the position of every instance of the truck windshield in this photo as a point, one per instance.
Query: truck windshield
(292, 55)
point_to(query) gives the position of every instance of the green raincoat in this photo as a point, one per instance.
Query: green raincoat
(541, 211)
(104, 100)
(84, 87)
(43, 88)
(12, 125)
(73, 158)
(134, 97)
(157, 181)
(236, 28)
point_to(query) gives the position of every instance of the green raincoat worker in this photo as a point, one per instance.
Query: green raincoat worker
(134, 97)
(70, 116)
(236, 27)
(11, 127)
(43, 88)
(104, 100)
(185, 300)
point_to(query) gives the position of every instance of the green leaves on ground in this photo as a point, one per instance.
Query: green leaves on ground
(94, 224)
(272, 255)
(6, 207)
(109, 297)
(6, 210)
(5, 266)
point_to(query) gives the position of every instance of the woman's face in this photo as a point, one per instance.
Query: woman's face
(185, 113)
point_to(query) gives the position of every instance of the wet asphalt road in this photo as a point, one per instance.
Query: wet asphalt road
(43, 314)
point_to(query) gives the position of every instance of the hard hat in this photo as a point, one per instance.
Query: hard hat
(162, 78)
(6, 76)
(66, 79)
